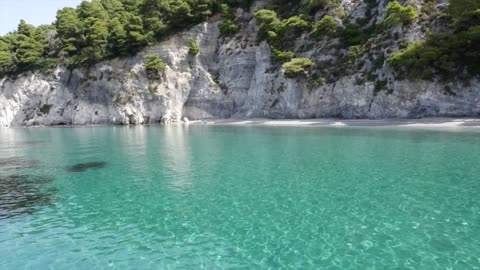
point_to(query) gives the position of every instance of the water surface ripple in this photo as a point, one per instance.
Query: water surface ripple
(239, 198)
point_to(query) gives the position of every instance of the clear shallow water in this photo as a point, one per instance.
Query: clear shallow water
(239, 198)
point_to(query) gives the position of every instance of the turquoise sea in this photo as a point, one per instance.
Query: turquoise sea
(245, 197)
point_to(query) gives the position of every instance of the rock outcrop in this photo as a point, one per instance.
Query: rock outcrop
(233, 77)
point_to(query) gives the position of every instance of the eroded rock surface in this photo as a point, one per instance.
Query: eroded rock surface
(233, 77)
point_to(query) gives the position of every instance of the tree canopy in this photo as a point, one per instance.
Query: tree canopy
(100, 29)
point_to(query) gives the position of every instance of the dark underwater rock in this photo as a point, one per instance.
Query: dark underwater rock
(82, 167)
(22, 194)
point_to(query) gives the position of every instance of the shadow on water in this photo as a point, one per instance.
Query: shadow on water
(82, 167)
(16, 164)
(21, 194)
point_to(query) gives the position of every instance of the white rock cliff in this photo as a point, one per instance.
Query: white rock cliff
(231, 78)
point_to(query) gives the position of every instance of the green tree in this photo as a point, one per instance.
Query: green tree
(69, 28)
(117, 38)
(326, 26)
(96, 35)
(398, 14)
(29, 52)
(296, 67)
(92, 9)
(193, 47)
(153, 66)
(228, 27)
(25, 29)
(7, 62)
(136, 38)
(458, 8)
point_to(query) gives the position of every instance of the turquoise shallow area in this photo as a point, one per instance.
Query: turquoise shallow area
(239, 198)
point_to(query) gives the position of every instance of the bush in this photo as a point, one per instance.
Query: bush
(296, 67)
(398, 14)
(269, 22)
(327, 25)
(282, 55)
(153, 66)
(194, 50)
(294, 24)
(228, 27)
(353, 35)
(317, 4)
(267, 18)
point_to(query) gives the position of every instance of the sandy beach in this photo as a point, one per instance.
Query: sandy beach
(423, 123)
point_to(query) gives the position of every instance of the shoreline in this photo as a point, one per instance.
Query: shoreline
(430, 122)
(434, 122)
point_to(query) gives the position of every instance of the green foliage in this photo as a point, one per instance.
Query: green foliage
(468, 19)
(296, 67)
(7, 63)
(228, 27)
(460, 8)
(446, 54)
(326, 26)
(153, 66)
(318, 4)
(294, 23)
(398, 14)
(282, 55)
(193, 47)
(353, 35)
(101, 29)
(280, 32)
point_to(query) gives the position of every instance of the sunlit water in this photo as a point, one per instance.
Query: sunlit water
(239, 198)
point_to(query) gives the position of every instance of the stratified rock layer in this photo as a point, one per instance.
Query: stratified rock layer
(231, 78)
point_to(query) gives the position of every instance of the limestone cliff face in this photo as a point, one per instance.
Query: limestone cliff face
(232, 78)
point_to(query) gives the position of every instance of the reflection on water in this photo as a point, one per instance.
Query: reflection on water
(177, 155)
(20, 194)
(16, 164)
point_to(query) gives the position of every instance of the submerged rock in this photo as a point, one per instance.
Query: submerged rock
(82, 167)
(22, 194)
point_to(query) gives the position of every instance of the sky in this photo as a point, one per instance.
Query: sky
(35, 12)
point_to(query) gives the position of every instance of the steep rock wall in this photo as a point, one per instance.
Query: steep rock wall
(233, 77)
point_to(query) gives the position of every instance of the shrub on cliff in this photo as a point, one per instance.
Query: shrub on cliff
(193, 50)
(353, 35)
(398, 14)
(228, 27)
(153, 66)
(326, 26)
(296, 67)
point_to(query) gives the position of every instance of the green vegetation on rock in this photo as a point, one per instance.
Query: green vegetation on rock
(445, 54)
(296, 67)
(193, 47)
(227, 27)
(153, 66)
(326, 26)
(339, 40)
(398, 14)
(101, 29)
